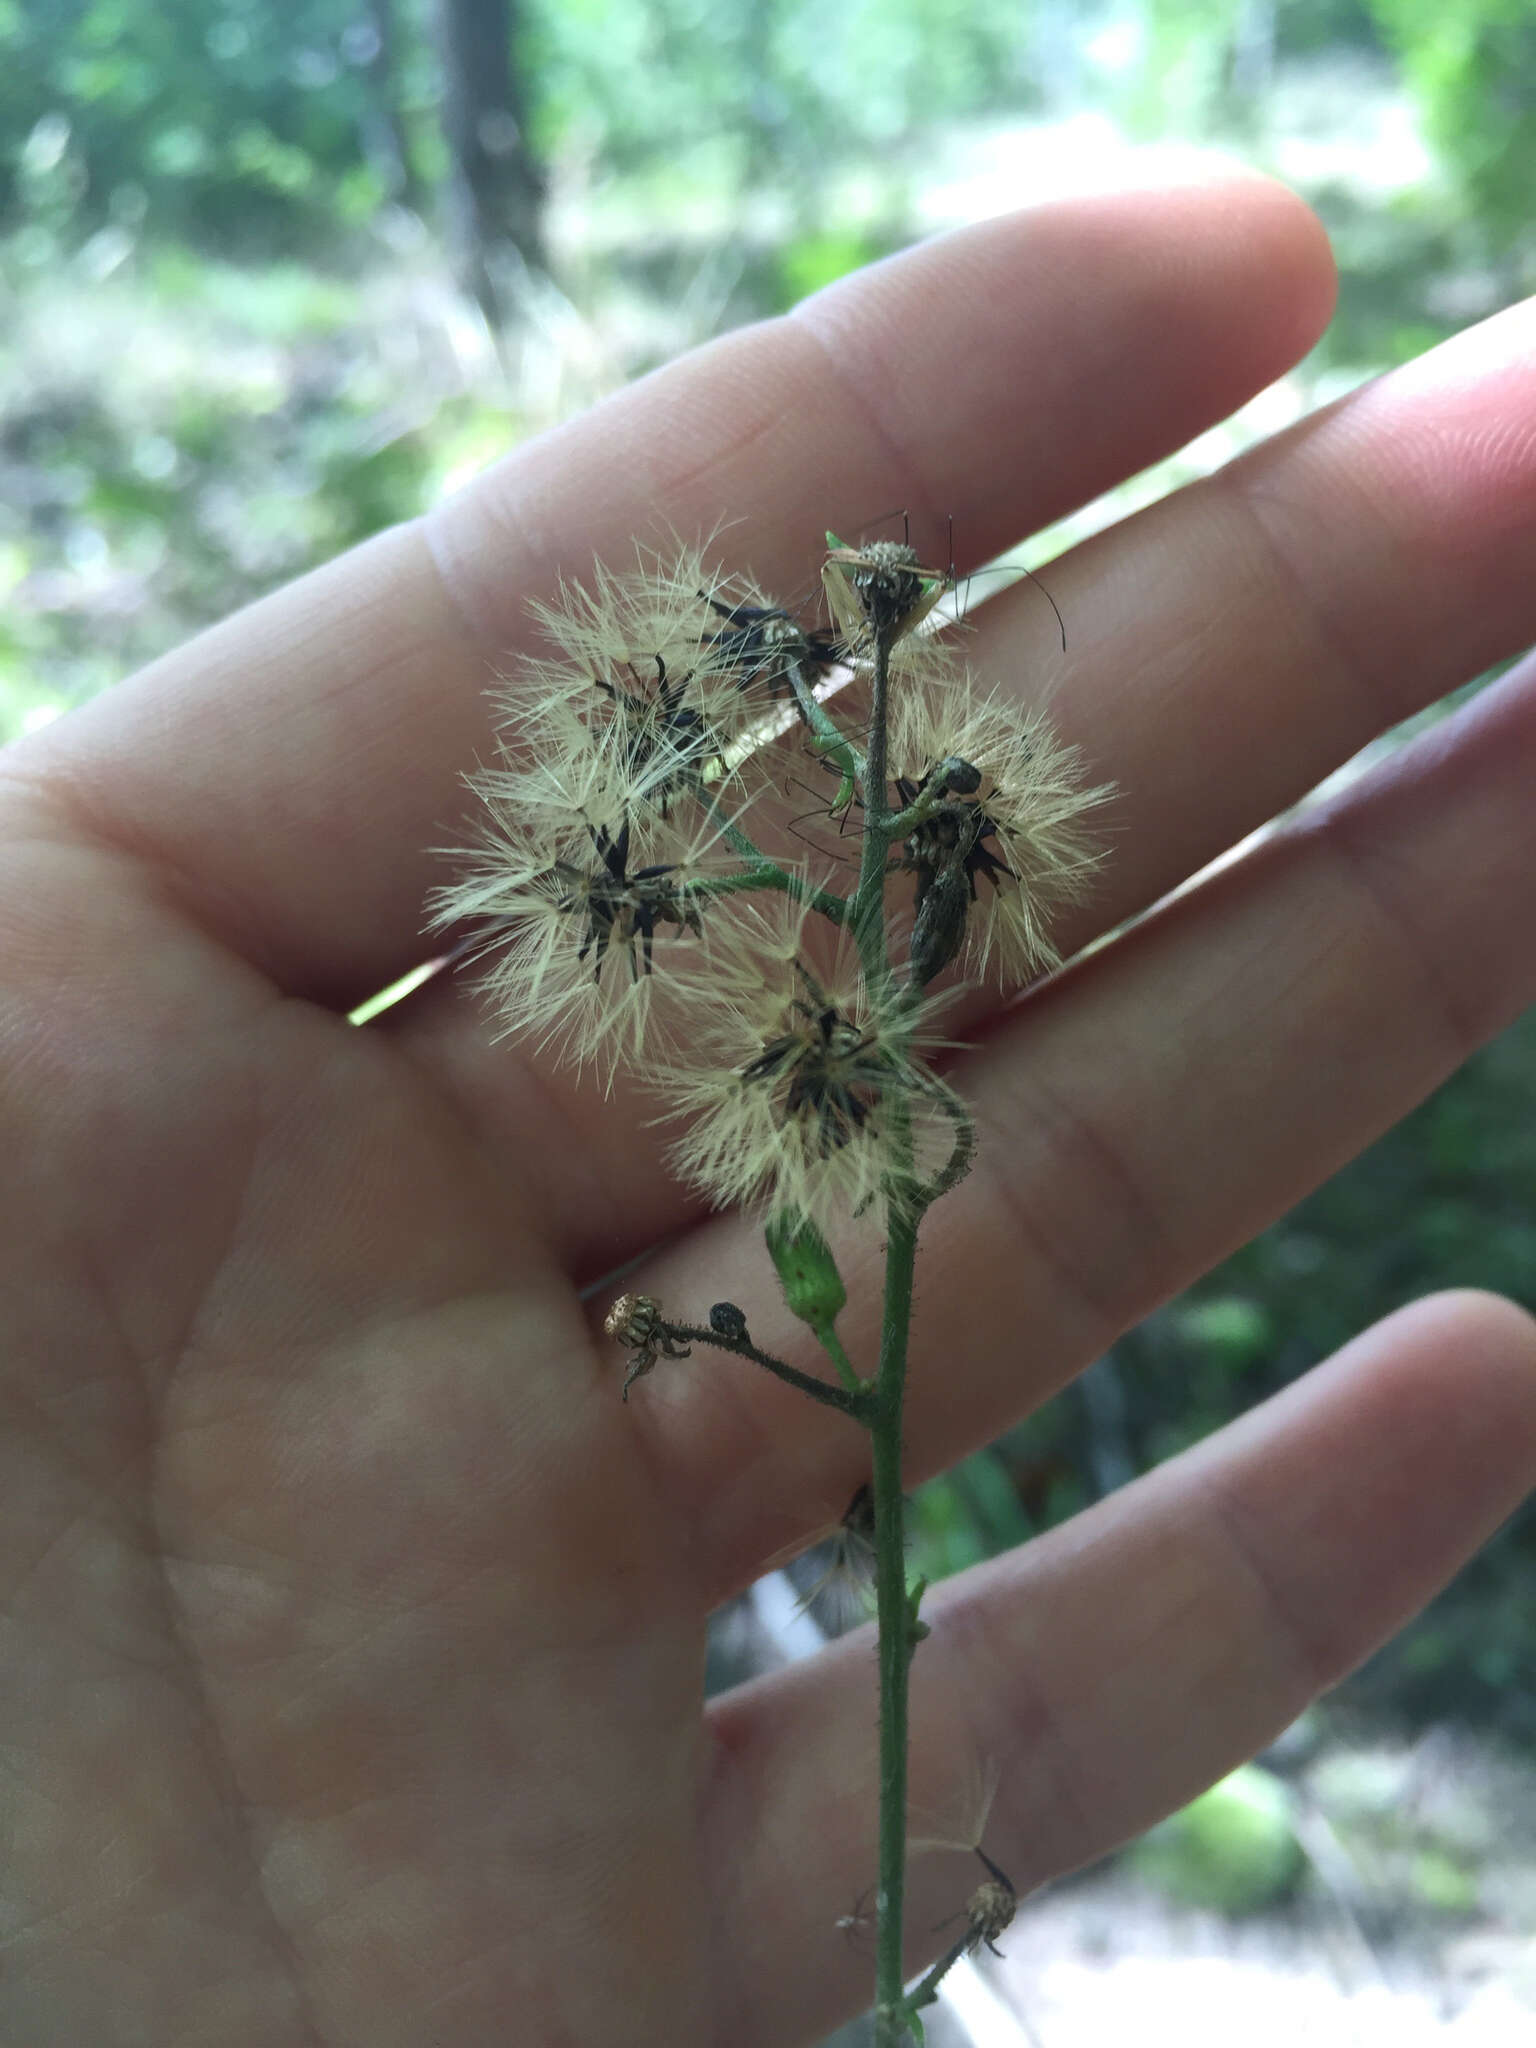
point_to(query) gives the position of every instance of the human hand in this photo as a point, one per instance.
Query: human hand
(354, 1629)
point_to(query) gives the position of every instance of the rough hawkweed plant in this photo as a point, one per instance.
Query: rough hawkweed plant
(639, 894)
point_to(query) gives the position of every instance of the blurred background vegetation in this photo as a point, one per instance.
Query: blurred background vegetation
(274, 275)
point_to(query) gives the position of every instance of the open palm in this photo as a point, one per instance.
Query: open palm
(351, 1690)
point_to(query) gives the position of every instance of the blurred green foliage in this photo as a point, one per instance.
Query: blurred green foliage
(1233, 1849)
(1472, 67)
(240, 121)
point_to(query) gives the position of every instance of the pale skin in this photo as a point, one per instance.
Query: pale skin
(353, 1629)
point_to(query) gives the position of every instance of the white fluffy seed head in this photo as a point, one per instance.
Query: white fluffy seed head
(652, 690)
(630, 742)
(1035, 800)
(643, 670)
(797, 1089)
(583, 948)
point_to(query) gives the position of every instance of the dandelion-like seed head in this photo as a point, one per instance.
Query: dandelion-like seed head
(797, 1087)
(664, 677)
(637, 678)
(1006, 846)
(659, 612)
(585, 946)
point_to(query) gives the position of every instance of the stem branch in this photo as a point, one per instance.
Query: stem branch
(832, 1344)
(855, 1400)
(763, 872)
(833, 743)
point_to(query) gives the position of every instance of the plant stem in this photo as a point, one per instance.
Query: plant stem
(770, 876)
(895, 1607)
(869, 899)
(764, 872)
(832, 1344)
(896, 1619)
(834, 742)
(848, 1399)
(927, 1991)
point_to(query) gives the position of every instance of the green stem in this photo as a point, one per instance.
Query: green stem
(854, 1400)
(902, 824)
(896, 1618)
(869, 899)
(768, 876)
(833, 742)
(927, 1991)
(895, 1607)
(764, 873)
(832, 1344)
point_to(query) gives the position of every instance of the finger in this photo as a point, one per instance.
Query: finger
(1232, 644)
(1137, 1122)
(288, 771)
(1230, 647)
(1108, 1672)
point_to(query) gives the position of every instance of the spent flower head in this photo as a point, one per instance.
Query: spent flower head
(802, 1092)
(638, 680)
(1006, 835)
(585, 946)
(878, 592)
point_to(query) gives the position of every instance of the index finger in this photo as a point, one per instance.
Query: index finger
(287, 772)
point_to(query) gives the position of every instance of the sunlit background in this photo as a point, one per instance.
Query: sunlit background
(275, 275)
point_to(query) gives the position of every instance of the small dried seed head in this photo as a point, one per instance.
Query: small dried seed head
(633, 684)
(585, 944)
(657, 738)
(633, 1319)
(989, 1912)
(823, 1071)
(636, 1321)
(878, 592)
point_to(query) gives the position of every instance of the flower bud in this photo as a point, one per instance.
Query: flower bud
(807, 1271)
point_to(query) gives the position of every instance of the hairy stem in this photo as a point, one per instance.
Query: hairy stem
(869, 899)
(848, 1399)
(896, 1621)
(769, 876)
(898, 1631)
(927, 1991)
(832, 1344)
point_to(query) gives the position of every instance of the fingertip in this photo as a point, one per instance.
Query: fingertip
(1477, 1334)
(1294, 241)
(1267, 241)
(1444, 1388)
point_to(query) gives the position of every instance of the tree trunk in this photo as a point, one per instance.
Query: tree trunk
(495, 189)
